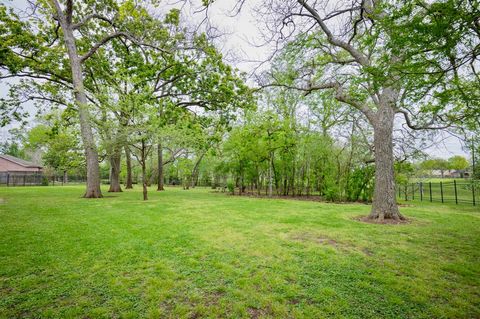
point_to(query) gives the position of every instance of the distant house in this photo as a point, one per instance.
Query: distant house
(438, 173)
(458, 173)
(450, 173)
(14, 165)
(15, 171)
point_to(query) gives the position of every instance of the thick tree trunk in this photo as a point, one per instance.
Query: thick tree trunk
(65, 177)
(384, 198)
(91, 154)
(160, 167)
(115, 164)
(128, 158)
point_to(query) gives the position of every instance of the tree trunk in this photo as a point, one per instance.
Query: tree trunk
(115, 164)
(194, 177)
(270, 176)
(128, 157)
(384, 198)
(65, 177)
(160, 167)
(241, 184)
(144, 171)
(144, 181)
(91, 154)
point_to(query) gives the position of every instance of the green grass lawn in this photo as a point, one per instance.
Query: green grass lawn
(197, 254)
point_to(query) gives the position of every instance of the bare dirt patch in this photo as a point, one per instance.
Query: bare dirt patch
(316, 239)
(365, 219)
(213, 298)
(256, 313)
(405, 205)
(367, 251)
(343, 246)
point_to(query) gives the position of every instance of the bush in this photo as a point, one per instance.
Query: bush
(361, 184)
(231, 187)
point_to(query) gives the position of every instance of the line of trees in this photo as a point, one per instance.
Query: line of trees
(347, 90)
(123, 73)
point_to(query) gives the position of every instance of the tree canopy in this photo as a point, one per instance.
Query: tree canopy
(133, 92)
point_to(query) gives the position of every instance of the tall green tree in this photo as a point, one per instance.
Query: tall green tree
(362, 54)
(458, 162)
(54, 47)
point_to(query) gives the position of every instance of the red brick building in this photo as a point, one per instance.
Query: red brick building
(13, 165)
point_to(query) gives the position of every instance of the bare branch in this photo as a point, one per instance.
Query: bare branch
(175, 154)
(428, 126)
(119, 34)
(357, 55)
(88, 18)
(102, 42)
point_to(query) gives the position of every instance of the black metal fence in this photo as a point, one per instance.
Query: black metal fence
(463, 191)
(20, 179)
(25, 179)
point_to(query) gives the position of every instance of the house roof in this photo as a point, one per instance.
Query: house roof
(19, 161)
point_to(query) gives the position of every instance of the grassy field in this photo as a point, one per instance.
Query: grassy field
(197, 254)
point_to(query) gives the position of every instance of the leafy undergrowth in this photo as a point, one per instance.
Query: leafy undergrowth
(196, 254)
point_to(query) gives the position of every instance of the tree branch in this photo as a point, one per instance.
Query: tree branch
(109, 37)
(174, 156)
(340, 96)
(113, 36)
(88, 18)
(357, 55)
(69, 11)
(422, 127)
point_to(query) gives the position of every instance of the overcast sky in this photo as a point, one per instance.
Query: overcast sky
(241, 32)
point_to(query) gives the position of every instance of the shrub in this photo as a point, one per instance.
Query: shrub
(231, 187)
(44, 181)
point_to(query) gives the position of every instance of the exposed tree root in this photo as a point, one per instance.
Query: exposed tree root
(93, 194)
(386, 221)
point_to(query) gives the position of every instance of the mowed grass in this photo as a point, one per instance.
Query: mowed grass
(197, 254)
